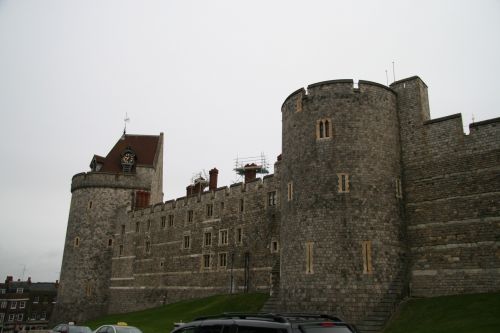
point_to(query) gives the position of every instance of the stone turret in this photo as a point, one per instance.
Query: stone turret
(341, 219)
(128, 176)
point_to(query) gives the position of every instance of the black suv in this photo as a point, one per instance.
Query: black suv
(266, 323)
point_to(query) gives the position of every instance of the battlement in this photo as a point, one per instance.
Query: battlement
(409, 80)
(485, 125)
(224, 193)
(447, 132)
(137, 181)
(343, 88)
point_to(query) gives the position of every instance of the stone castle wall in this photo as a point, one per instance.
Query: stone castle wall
(99, 203)
(85, 271)
(452, 195)
(372, 197)
(364, 145)
(166, 271)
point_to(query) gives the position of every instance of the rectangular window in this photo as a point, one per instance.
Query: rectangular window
(2, 291)
(223, 260)
(223, 237)
(148, 247)
(13, 305)
(3, 305)
(242, 205)
(207, 239)
(190, 216)
(274, 247)
(206, 261)
(239, 235)
(123, 229)
(290, 191)
(163, 222)
(309, 258)
(367, 257)
(88, 289)
(221, 207)
(11, 317)
(170, 220)
(19, 317)
(137, 226)
(43, 316)
(1, 317)
(187, 242)
(120, 250)
(22, 304)
(210, 210)
(271, 198)
(399, 188)
(343, 185)
(36, 299)
(148, 225)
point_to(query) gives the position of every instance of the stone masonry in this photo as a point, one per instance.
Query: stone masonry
(371, 201)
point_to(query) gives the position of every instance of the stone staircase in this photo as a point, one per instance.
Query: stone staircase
(273, 303)
(375, 320)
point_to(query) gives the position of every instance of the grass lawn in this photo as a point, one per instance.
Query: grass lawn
(449, 314)
(161, 319)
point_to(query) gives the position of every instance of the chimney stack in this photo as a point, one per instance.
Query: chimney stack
(29, 280)
(189, 190)
(250, 172)
(212, 183)
(9, 279)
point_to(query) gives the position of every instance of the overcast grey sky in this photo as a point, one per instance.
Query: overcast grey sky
(212, 76)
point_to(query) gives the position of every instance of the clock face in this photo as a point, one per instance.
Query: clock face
(128, 158)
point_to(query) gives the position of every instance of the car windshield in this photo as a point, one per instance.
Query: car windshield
(328, 328)
(127, 329)
(79, 329)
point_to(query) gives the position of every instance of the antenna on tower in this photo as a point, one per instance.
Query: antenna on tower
(386, 77)
(125, 120)
(393, 72)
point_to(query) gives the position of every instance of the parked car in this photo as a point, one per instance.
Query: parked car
(120, 327)
(70, 328)
(266, 323)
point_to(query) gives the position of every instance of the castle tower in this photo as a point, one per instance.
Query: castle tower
(129, 177)
(341, 231)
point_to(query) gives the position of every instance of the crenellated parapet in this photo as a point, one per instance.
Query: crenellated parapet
(365, 91)
(141, 180)
(258, 186)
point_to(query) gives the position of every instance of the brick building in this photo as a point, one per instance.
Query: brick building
(370, 201)
(26, 305)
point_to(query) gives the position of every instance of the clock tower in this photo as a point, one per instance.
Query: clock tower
(130, 176)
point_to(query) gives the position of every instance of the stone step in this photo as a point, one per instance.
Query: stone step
(369, 328)
(374, 318)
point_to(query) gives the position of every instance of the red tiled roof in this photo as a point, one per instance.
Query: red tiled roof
(144, 146)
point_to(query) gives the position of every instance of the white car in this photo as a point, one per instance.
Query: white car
(70, 328)
(118, 328)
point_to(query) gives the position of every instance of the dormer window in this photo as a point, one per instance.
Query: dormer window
(127, 159)
(96, 163)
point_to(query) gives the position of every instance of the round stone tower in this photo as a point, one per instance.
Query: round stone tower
(129, 177)
(341, 231)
